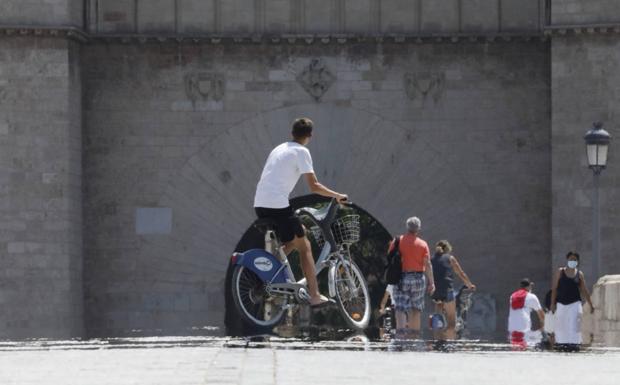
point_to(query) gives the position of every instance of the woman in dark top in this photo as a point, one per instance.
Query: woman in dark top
(444, 266)
(569, 288)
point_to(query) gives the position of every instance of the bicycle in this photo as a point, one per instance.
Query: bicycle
(463, 302)
(264, 287)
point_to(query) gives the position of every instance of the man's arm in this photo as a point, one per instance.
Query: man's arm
(429, 275)
(318, 188)
(584, 290)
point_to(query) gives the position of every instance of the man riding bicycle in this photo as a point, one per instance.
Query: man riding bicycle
(285, 164)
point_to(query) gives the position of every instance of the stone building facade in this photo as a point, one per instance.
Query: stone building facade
(132, 135)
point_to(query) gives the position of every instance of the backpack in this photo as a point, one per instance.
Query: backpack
(393, 269)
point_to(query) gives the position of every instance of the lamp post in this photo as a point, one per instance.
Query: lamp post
(597, 144)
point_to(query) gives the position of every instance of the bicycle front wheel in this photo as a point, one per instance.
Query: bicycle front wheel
(256, 306)
(351, 294)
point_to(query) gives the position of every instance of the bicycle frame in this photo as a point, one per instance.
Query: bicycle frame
(278, 288)
(273, 267)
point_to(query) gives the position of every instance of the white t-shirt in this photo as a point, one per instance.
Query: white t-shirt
(283, 168)
(519, 320)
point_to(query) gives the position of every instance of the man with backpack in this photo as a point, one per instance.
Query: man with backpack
(410, 253)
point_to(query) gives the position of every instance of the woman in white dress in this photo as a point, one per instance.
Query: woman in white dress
(568, 291)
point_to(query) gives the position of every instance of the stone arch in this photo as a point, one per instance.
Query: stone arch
(389, 170)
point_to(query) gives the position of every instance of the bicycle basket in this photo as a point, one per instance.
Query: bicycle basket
(317, 234)
(346, 229)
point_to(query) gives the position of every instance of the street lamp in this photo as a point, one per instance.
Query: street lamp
(597, 143)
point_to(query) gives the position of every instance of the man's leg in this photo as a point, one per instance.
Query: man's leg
(302, 245)
(413, 322)
(401, 319)
(402, 330)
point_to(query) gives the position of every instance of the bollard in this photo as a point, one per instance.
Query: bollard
(604, 325)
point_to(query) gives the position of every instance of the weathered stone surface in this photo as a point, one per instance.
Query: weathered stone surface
(479, 15)
(114, 16)
(323, 17)
(584, 80)
(196, 17)
(42, 13)
(604, 324)
(440, 15)
(469, 163)
(205, 361)
(40, 193)
(566, 12)
(522, 15)
(157, 16)
(464, 123)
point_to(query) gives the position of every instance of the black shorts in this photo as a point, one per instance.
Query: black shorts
(287, 224)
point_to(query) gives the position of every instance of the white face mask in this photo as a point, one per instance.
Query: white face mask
(572, 264)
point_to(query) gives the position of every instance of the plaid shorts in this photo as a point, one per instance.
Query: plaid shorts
(409, 294)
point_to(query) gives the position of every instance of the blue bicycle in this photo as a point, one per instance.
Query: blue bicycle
(264, 286)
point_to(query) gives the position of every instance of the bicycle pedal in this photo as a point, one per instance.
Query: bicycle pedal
(303, 296)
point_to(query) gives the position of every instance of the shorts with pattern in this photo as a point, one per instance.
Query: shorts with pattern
(409, 294)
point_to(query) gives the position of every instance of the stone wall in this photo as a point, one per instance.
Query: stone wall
(40, 188)
(176, 136)
(275, 17)
(603, 327)
(50, 13)
(567, 12)
(585, 78)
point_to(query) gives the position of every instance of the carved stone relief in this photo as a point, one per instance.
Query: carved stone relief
(204, 86)
(420, 85)
(316, 78)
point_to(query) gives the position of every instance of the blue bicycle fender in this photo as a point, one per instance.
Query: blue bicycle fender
(263, 263)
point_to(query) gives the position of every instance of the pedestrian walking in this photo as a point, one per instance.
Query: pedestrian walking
(417, 271)
(568, 291)
(444, 266)
(522, 303)
(386, 311)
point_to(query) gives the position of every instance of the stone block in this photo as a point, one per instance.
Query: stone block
(153, 220)
(347, 76)
(117, 16)
(320, 17)
(359, 18)
(47, 13)
(400, 16)
(440, 16)
(16, 247)
(520, 15)
(156, 16)
(236, 17)
(584, 12)
(196, 17)
(209, 105)
(479, 16)
(281, 76)
(278, 18)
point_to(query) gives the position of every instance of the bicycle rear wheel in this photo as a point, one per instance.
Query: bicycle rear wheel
(256, 306)
(352, 294)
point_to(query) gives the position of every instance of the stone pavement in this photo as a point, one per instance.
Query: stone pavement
(223, 361)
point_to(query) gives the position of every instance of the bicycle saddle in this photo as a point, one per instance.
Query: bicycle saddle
(318, 215)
